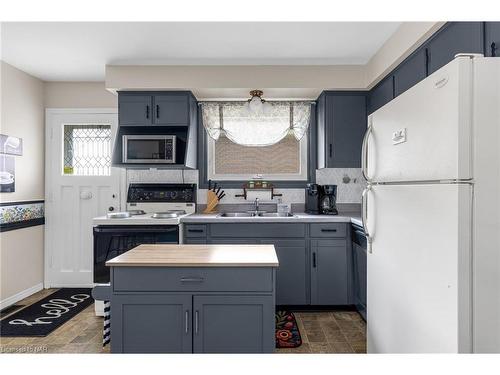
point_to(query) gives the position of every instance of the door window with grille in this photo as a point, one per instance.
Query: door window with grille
(87, 150)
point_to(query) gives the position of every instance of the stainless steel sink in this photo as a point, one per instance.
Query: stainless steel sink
(236, 214)
(255, 214)
(277, 214)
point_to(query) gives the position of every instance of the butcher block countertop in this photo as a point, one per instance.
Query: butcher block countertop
(197, 256)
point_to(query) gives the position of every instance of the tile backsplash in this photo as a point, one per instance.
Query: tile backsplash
(350, 183)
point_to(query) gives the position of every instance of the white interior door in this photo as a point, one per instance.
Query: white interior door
(425, 133)
(419, 271)
(80, 184)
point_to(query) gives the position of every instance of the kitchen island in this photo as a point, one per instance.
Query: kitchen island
(193, 299)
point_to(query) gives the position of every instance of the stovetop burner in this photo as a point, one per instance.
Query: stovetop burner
(136, 212)
(168, 214)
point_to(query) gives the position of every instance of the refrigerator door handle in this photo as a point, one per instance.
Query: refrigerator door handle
(364, 152)
(364, 217)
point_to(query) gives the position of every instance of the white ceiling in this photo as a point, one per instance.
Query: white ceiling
(79, 51)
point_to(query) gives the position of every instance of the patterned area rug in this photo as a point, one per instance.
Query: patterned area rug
(287, 331)
(44, 316)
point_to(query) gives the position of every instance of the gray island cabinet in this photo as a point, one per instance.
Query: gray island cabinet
(193, 299)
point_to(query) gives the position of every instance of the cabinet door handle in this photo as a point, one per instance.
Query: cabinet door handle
(157, 111)
(314, 260)
(147, 111)
(192, 279)
(330, 150)
(187, 321)
(328, 230)
(196, 322)
(195, 230)
(493, 49)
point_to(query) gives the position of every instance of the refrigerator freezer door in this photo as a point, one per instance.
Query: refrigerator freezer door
(419, 268)
(425, 133)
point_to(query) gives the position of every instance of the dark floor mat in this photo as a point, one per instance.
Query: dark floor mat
(44, 316)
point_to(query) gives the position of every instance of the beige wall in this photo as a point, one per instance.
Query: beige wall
(78, 95)
(22, 115)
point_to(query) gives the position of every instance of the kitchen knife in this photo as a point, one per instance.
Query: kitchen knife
(215, 187)
(222, 195)
(209, 184)
(218, 190)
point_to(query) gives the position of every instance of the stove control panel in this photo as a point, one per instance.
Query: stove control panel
(174, 193)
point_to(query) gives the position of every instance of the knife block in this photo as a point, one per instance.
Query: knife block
(212, 202)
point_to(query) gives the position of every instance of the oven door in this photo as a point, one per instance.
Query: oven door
(111, 241)
(148, 149)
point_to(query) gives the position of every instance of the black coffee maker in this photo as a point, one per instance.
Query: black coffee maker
(328, 200)
(313, 199)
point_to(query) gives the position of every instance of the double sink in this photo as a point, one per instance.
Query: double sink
(255, 214)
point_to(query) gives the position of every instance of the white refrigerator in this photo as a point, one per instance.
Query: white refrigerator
(431, 214)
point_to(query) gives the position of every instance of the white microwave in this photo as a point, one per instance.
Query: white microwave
(148, 149)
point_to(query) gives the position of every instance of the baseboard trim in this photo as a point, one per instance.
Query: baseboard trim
(56, 285)
(19, 296)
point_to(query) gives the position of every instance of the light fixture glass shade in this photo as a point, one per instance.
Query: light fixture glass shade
(252, 124)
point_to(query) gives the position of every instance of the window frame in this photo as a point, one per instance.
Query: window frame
(202, 150)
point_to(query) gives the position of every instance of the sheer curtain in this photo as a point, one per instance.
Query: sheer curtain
(262, 128)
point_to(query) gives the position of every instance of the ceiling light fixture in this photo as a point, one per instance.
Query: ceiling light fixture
(256, 104)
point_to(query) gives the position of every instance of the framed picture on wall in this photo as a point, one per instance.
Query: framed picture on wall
(7, 174)
(11, 145)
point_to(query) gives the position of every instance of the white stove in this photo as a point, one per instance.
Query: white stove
(153, 204)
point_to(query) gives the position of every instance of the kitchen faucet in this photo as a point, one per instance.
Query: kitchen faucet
(256, 204)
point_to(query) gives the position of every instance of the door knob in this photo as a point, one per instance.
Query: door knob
(111, 208)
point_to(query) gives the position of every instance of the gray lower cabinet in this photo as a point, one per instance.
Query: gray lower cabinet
(192, 309)
(360, 276)
(233, 324)
(292, 274)
(329, 273)
(158, 323)
(301, 278)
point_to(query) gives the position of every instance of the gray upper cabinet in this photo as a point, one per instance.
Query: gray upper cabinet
(410, 72)
(152, 323)
(219, 322)
(341, 120)
(154, 108)
(329, 273)
(492, 39)
(135, 110)
(171, 110)
(454, 38)
(381, 94)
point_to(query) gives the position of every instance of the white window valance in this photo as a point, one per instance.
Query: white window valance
(250, 128)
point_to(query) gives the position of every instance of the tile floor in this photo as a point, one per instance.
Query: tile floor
(322, 332)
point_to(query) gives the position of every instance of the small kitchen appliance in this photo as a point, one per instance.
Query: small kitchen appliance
(158, 149)
(312, 199)
(328, 200)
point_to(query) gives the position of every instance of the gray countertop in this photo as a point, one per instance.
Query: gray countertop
(299, 217)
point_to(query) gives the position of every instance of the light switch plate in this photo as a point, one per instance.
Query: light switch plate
(399, 136)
